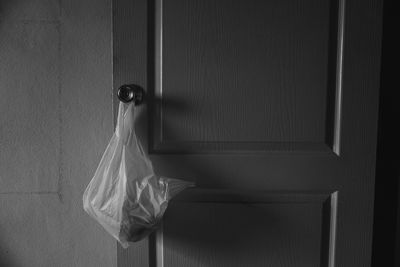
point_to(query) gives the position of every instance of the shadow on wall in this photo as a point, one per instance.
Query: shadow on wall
(6, 255)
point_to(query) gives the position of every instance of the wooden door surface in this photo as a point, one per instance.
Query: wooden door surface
(271, 108)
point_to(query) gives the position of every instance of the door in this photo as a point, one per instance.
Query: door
(271, 108)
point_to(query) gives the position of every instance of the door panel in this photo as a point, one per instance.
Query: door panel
(264, 104)
(224, 62)
(285, 229)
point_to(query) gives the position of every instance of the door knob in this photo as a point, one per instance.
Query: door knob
(130, 92)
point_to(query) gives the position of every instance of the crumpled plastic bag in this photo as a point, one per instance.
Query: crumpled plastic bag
(125, 195)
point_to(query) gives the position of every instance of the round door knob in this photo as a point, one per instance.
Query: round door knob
(129, 92)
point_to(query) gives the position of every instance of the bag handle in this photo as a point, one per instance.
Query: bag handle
(125, 120)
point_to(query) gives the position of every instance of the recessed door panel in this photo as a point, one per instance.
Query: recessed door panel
(268, 229)
(244, 75)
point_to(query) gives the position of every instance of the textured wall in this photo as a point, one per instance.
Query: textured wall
(55, 121)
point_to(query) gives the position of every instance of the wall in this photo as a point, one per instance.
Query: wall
(55, 121)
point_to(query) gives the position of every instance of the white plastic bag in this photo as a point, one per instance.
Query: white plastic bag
(125, 196)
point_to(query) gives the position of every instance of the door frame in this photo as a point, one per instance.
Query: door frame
(386, 231)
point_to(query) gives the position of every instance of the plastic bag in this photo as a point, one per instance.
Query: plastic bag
(125, 196)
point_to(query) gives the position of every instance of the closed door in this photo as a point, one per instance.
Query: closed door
(271, 108)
